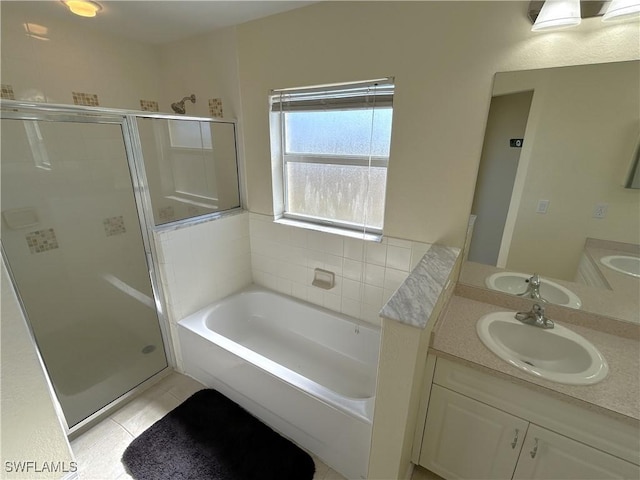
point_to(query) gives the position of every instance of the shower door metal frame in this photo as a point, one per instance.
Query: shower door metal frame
(126, 119)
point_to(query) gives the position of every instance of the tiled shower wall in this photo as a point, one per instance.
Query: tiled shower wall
(283, 258)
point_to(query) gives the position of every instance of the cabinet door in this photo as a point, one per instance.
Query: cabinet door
(464, 438)
(547, 455)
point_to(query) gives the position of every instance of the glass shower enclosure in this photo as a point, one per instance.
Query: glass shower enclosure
(77, 221)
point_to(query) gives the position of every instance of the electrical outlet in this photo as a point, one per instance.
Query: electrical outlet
(600, 211)
(543, 206)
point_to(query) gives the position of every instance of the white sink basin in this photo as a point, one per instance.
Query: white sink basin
(555, 354)
(623, 264)
(515, 283)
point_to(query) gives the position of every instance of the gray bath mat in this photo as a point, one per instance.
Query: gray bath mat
(211, 437)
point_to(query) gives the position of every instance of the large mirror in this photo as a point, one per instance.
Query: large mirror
(554, 192)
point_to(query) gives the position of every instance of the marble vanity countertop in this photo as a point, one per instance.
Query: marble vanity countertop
(617, 396)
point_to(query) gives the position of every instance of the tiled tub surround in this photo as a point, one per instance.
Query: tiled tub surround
(200, 264)
(367, 274)
(617, 396)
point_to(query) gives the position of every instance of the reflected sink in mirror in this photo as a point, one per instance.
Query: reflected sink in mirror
(623, 264)
(516, 283)
(556, 354)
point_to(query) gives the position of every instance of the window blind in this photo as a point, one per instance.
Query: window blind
(375, 93)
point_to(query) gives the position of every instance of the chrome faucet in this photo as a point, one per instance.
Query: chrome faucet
(533, 289)
(535, 317)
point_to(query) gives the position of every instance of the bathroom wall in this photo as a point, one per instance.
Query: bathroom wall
(207, 66)
(283, 258)
(443, 56)
(201, 264)
(31, 430)
(46, 59)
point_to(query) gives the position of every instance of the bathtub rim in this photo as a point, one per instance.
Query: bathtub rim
(253, 287)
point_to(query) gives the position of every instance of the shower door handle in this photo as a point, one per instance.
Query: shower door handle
(149, 262)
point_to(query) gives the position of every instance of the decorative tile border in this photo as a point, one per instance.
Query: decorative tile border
(114, 226)
(166, 213)
(7, 92)
(215, 107)
(88, 99)
(42, 240)
(149, 106)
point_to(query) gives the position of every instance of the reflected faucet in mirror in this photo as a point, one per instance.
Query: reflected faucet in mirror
(533, 288)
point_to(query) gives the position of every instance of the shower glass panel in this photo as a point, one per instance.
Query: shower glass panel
(191, 167)
(72, 238)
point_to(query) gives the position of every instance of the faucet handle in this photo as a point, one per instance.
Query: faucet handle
(537, 310)
(535, 317)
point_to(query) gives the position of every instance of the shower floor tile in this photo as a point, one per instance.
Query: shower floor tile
(98, 451)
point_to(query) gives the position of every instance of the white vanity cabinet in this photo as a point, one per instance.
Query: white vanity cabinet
(480, 426)
(547, 455)
(468, 439)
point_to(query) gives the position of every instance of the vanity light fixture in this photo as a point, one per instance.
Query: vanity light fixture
(622, 10)
(556, 14)
(83, 8)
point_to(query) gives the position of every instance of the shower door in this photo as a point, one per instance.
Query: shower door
(72, 237)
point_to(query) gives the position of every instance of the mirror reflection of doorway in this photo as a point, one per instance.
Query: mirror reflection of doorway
(507, 120)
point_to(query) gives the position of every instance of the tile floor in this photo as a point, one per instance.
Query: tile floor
(98, 451)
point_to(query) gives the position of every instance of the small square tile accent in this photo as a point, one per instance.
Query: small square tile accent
(149, 106)
(166, 213)
(215, 107)
(7, 92)
(114, 226)
(88, 99)
(42, 240)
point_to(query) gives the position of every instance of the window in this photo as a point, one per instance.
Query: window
(332, 146)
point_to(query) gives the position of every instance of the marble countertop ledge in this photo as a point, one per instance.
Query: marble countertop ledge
(617, 396)
(416, 298)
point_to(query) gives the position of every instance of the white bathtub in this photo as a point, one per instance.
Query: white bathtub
(307, 372)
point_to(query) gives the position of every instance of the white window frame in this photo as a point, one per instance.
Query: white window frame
(280, 158)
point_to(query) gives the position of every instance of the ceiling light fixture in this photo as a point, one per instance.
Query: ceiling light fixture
(84, 8)
(556, 14)
(622, 10)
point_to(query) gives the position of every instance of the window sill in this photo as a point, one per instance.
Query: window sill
(370, 237)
